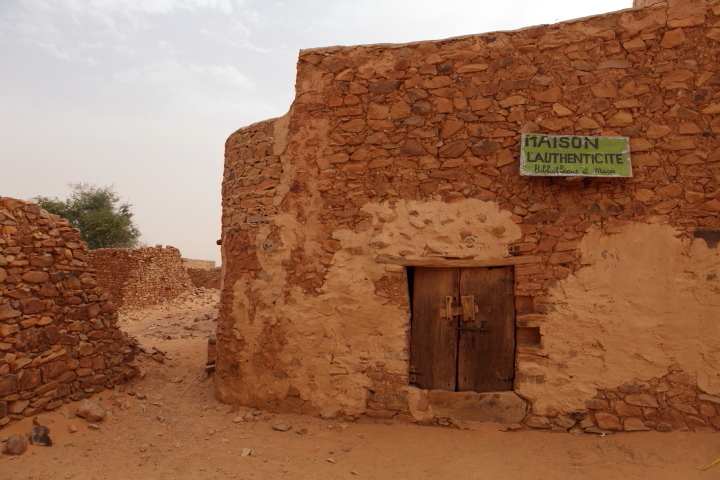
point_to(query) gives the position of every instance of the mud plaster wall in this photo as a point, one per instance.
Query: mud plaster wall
(58, 339)
(141, 277)
(396, 154)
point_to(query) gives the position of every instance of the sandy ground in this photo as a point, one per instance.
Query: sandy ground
(167, 425)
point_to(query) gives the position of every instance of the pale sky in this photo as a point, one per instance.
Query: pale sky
(143, 93)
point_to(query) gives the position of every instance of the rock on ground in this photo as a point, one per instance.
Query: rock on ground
(92, 412)
(16, 445)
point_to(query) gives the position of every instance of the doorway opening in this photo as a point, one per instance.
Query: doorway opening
(462, 331)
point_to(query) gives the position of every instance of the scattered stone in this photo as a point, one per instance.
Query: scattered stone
(92, 426)
(238, 419)
(345, 448)
(246, 452)
(43, 420)
(15, 445)
(331, 460)
(178, 380)
(281, 426)
(353, 472)
(302, 431)
(72, 428)
(40, 436)
(90, 411)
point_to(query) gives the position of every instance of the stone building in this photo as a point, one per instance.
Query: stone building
(383, 256)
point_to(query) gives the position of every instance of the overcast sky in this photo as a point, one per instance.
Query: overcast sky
(143, 93)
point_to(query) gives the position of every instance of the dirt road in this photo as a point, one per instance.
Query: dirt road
(168, 425)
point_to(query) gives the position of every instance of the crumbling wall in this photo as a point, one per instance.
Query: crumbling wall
(395, 154)
(141, 277)
(58, 339)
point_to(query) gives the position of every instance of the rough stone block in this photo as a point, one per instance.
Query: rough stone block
(501, 407)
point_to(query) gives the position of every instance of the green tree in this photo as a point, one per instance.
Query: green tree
(99, 214)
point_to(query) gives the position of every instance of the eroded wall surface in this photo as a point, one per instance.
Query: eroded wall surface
(58, 335)
(395, 155)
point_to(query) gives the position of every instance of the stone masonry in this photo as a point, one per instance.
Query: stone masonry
(205, 277)
(198, 264)
(58, 339)
(141, 277)
(399, 155)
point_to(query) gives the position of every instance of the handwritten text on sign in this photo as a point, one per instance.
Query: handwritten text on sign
(571, 155)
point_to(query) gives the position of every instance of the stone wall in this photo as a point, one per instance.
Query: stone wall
(205, 277)
(400, 155)
(58, 339)
(141, 277)
(198, 264)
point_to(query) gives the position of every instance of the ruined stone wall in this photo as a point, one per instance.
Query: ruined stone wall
(141, 277)
(396, 155)
(205, 277)
(58, 339)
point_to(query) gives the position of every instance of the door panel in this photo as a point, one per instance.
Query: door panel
(433, 339)
(486, 358)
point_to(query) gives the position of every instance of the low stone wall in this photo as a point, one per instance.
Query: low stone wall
(58, 339)
(142, 277)
(205, 277)
(673, 402)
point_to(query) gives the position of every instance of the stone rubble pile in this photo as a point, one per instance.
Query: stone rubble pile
(58, 336)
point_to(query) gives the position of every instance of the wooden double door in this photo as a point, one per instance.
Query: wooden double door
(462, 335)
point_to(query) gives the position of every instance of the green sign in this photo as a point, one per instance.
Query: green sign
(571, 155)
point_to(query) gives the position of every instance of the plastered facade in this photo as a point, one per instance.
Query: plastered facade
(400, 155)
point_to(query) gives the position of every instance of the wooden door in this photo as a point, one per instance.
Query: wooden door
(466, 351)
(486, 346)
(433, 339)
